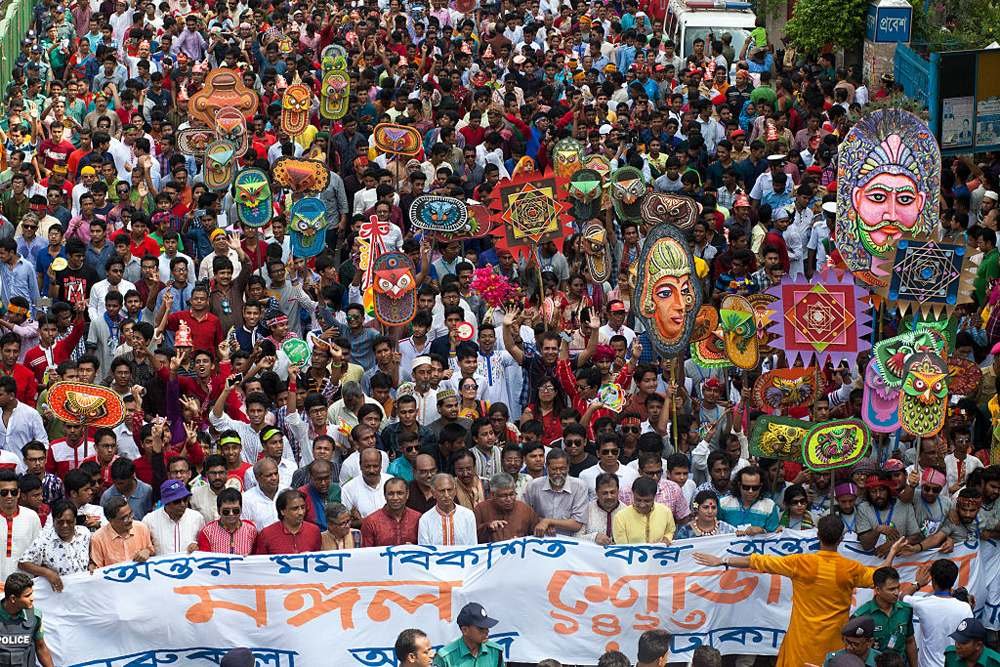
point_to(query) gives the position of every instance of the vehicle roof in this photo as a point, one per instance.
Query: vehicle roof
(712, 18)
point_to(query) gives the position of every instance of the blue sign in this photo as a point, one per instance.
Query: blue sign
(888, 24)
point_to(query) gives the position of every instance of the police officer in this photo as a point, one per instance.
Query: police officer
(22, 640)
(473, 648)
(859, 635)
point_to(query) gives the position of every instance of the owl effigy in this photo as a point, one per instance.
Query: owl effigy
(295, 106)
(628, 187)
(394, 288)
(584, 190)
(778, 438)
(335, 91)
(923, 399)
(253, 197)
(307, 220)
(566, 157)
(220, 164)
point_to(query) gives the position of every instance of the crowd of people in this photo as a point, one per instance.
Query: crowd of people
(120, 267)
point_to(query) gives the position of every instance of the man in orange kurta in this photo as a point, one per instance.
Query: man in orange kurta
(823, 585)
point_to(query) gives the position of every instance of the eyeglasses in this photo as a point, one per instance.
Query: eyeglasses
(4, 493)
(796, 501)
(630, 429)
(751, 487)
(412, 448)
(654, 473)
(573, 443)
(230, 512)
(932, 489)
(609, 452)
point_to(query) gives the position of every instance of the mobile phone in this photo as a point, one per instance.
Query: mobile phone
(235, 380)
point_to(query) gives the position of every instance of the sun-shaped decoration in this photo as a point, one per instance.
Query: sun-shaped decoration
(826, 318)
(530, 210)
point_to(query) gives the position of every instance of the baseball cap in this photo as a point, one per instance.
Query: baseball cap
(473, 614)
(617, 307)
(88, 171)
(970, 629)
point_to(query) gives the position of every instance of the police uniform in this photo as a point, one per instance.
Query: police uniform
(970, 629)
(457, 653)
(18, 634)
(893, 630)
(862, 627)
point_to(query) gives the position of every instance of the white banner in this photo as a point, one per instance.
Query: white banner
(553, 597)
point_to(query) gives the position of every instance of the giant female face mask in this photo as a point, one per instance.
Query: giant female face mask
(667, 294)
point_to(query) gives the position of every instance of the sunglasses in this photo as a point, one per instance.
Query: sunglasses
(573, 443)
(932, 489)
(412, 448)
(229, 512)
(752, 487)
(9, 492)
(630, 429)
(609, 452)
(796, 501)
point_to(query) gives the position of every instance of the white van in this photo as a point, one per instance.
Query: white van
(687, 21)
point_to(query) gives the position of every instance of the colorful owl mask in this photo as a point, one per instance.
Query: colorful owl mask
(232, 126)
(628, 187)
(739, 331)
(595, 248)
(307, 220)
(892, 354)
(220, 164)
(585, 190)
(923, 400)
(785, 389)
(396, 139)
(435, 213)
(778, 438)
(678, 210)
(566, 157)
(394, 288)
(335, 91)
(880, 402)
(253, 197)
(295, 105)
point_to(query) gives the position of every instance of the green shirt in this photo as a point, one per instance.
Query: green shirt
(989, 270)
(892, 631)
(457, 654)
(869, 660)
(988, 658)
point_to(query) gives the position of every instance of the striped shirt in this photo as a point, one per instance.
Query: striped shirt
(213, 537)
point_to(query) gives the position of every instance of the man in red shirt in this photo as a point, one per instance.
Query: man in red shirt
(49, 354)
(206, 330)
(394, 523)
(27, 385)
(54, 150)
(140, 242)
(291, 533)
(68, 453)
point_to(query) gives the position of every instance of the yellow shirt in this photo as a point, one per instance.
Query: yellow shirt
(823, 586)
(630, 527)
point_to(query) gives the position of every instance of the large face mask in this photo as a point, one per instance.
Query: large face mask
(778, 438)
(835, 444)
(584, 191)
(628, 187)
(223, 88)
(880, 402)
(677, 210)
(220, 164)
(667, 292)
(923, 400)
(295, 105)
(566, 157)
(300, 174)
(396, 139)
(394, 288)
(739, 331)
(595, 248)
(786, 389)
(253, 197)
(232, 126)
(435, 213)
(307, 220)
(335, 91)
(892, 354)
(194, 140)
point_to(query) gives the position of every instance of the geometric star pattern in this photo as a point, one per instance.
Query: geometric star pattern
(826, 318)
(928, 275)
(529, 210)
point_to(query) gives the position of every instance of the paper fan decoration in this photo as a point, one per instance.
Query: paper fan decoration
(297, 351)
(90, 404)
(778, 438)
(825, 319)
(929, 276)
(836, 444)
(764, 309)
(739, 331)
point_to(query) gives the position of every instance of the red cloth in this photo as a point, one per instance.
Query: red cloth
(551, 424)
(216, 539)
(276, 540)
(206, 334)
(147, 245)
(27, 385)
(380, 530)
(63, 457)
(564, 373)
(35, 357)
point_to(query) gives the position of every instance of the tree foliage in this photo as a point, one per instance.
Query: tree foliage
(816, 24)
